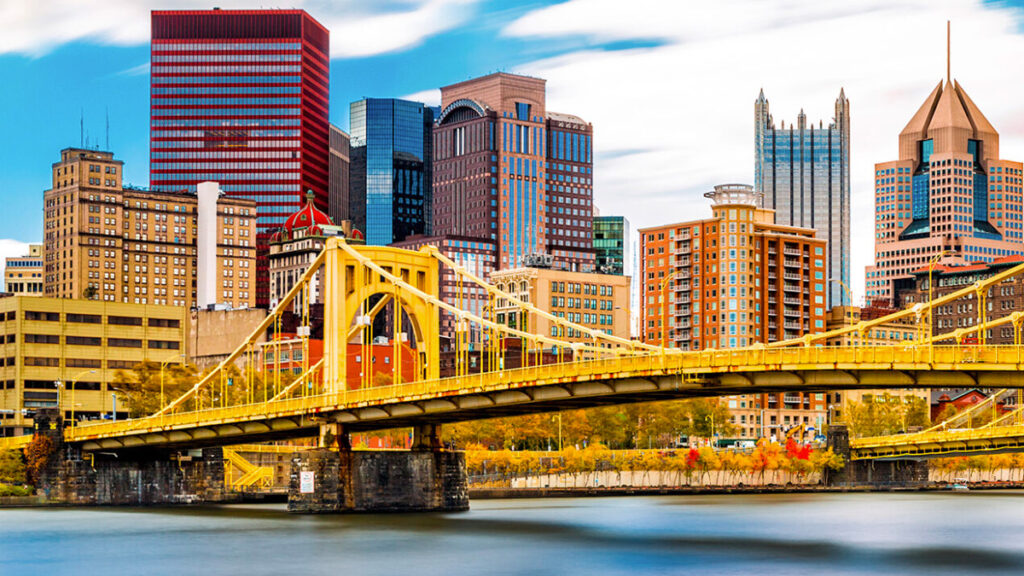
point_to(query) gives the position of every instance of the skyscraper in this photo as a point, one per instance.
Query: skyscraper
(611, 245)
(240, 97)
(391, 162)
(508, 171)
(338, 182)
(948, 194)
(803, 173)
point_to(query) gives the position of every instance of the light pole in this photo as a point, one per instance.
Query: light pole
(711, 418)
(73, 382)
(664, 308)
(559, 417)
(162, 366)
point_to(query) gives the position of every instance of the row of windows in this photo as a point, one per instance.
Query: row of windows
(159, 47)
(213, 124)
(211, 90)
(163, 80)
(97, 341)
(182, 58)
(239, 133)
(242, 69)
(165, 112)
(223, 101)
(256, 164)
(234, 144)
(220, 176)
(95, 319)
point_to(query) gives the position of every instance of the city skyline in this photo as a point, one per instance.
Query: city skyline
(651, 175)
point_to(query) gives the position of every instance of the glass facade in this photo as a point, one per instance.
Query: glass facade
(240, 97)
(803, 172)
(611, 244)
(391, 179)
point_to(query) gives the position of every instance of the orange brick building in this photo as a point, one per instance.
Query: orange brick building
(734, 280)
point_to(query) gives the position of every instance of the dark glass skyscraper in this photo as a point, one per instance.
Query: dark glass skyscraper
(240, 97)
(803, 173)
(611, 244)
(391, 169)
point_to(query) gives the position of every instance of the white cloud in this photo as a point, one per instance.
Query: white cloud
(10, 248)
(673, 120)
(357, 28)
(430, 97)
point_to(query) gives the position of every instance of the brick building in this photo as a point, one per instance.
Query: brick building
(734, 280)
(508, 171)
(23, 275)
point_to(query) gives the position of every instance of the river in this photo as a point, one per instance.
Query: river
(834, 534)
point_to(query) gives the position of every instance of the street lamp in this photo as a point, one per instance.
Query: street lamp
(559, 417)
(162, 366)
(664, 308)
(73, 382)
(711, 418)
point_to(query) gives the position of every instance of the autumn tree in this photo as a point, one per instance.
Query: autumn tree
(886, 414)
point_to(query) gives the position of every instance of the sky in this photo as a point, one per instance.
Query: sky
(668, 85)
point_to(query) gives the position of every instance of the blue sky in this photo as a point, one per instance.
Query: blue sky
(668, 85)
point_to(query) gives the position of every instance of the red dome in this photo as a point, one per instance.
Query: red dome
(308, 217)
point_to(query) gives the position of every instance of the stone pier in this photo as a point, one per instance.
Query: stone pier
(872, 473)
(339, 479)
(130, 477)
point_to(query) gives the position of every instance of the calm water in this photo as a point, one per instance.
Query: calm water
(966, 533)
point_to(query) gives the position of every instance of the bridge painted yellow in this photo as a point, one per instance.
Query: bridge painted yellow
(594, 368)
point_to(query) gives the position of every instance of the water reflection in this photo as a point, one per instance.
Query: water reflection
(916, 533)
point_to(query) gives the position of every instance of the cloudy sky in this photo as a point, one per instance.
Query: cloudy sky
(669, 85)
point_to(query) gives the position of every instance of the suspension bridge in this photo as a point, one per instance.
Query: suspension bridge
(245, 399)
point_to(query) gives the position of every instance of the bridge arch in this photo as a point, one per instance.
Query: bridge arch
(349, 286)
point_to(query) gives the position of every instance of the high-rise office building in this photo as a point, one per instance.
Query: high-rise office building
(23, 275)
(507, 171)
(803, 174)
(240, 97)
(391, 162)
(338, 183)
(105, 241)
(948, 195)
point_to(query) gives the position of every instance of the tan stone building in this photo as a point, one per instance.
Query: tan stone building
(81, 344)
(23, 275)
(104, 241)
(598, 301)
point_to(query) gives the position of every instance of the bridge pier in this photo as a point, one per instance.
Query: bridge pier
(424, 479)
(871, 473)
(134, 477)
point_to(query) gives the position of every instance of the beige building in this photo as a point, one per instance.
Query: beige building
(23, 275)
(81, 344)
(104, 241)
(893, 332)
(597, 301)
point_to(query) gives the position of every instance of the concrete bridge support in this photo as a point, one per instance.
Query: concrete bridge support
(871, 473)
(339, 479)
(136, 477)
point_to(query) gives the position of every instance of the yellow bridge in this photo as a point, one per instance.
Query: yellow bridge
(246, 399)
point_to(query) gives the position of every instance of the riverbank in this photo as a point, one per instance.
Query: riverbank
(492, 493)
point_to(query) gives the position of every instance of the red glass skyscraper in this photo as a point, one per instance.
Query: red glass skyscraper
(240, 97)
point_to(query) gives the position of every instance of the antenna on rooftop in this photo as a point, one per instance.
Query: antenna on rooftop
(948, 42)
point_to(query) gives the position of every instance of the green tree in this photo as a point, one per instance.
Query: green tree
(886, 414)
(12, 467)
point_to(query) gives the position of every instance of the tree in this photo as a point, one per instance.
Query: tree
(886, 414)
(12, 467)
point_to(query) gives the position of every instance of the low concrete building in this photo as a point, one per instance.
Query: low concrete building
(23, 275)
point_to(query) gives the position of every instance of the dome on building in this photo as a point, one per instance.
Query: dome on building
(308, 217)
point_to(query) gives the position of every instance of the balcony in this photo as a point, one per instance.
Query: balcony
(791, 398)
(791, 287)
(793, 301)
(791, 325)
(791, 251)
(794, 312)
(685, 261)
(773, 326)
(791, 276)
(773, 301)
(793, 263)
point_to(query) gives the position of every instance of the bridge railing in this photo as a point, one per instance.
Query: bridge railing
(694, 364)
